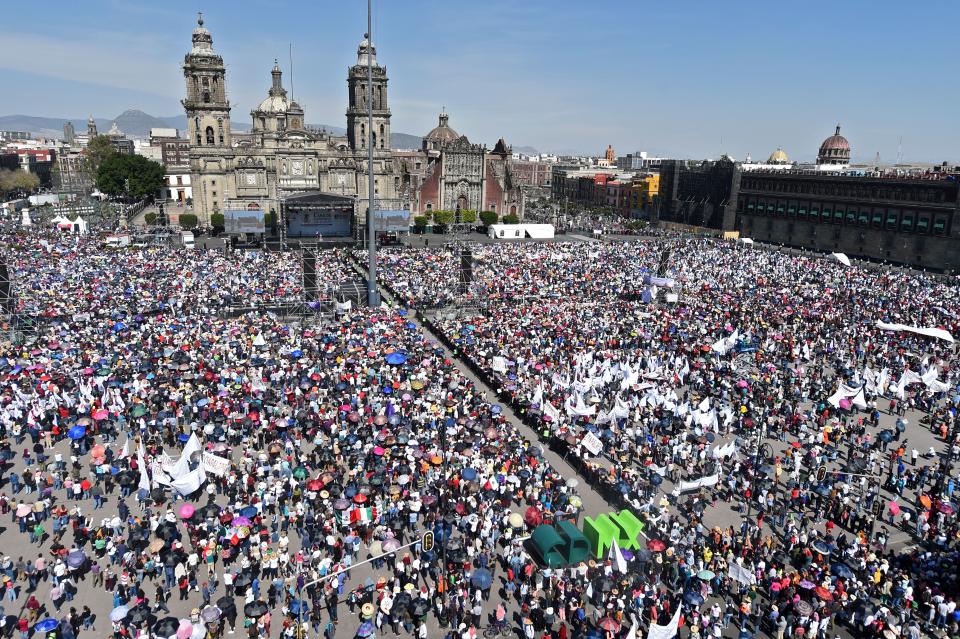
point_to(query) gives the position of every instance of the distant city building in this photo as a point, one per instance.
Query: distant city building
(40, 162)
(611, 155)
(699, 193)
(912, 219)
(177, 185)
(9, 161)
(72, 174)
(91, 127)
(10, 136)
(638, 161)
(120, 142)
(69, 135)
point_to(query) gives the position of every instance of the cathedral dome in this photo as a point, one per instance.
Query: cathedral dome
(440, 135)
(834, 150)
(778, 157)
(274, 104)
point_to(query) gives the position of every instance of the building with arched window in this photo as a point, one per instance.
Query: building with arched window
(280, 155)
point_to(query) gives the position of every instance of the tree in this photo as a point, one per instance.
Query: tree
(511, 219)
(420, 221)
(188, 221)
(488, 217)
(18, 181)
(468, 216)
(216, 220)
(129, 176)
(99, 149)
(442, 218)
(150, 218)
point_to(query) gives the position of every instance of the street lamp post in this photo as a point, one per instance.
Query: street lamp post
(373, 296)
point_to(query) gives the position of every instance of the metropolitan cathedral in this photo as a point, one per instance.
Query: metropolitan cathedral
(280, 157)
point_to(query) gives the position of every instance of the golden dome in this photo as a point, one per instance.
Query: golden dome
(778, 157)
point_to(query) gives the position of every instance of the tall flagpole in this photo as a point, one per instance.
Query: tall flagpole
(373, 298)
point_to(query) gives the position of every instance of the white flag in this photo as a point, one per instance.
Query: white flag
(617, 557)
(142, 463)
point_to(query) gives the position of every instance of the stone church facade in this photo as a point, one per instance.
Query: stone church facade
(280, 157)
(451, 173)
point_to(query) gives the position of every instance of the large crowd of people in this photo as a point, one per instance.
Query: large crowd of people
(180, 460)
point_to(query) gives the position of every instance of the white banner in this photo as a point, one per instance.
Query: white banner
(188, 483)
(668, 631)
(498, 364)
(592, 443)
(703, 482)
(218, 466)
(741, 574)
(343, 307)
(938, 333)
(551, 411)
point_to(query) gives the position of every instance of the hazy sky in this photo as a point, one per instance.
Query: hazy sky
(685, 79)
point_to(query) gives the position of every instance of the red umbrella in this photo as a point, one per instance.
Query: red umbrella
(533, 517)
(656, 545)
(314, 484)
(823, 593)
(360, 498)
(609, 624)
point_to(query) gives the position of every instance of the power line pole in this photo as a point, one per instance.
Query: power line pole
(373, 297)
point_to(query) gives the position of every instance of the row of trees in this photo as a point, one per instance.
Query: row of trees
(17, 182)
(466, 216)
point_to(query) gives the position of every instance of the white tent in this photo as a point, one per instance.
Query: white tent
(841, 257)
(746, 240)
(25, 218)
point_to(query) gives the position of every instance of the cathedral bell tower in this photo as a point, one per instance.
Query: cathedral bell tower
(206, 105)
(357, 110)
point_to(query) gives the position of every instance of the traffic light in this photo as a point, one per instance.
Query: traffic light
(878, 508)
(426, 542)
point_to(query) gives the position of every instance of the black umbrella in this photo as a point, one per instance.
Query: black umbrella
(401, 601)
(210, 511)
(167, 531)
(254, 609)
(138, 615)
(243, 580)
(226, 604)
(166, 627)
(420, 607)
(603, 584)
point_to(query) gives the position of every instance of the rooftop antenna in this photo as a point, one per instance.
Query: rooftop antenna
(900, 151)
(291, 72)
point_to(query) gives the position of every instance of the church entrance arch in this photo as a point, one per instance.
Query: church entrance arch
(462, 203)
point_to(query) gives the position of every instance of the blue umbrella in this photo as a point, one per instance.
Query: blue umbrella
(183, 437)
(366, 629)
(656, 479)
(76, 432)
(495, 409)
(482, 578)
(46, 625)
(842, 570)
(396, 358)
(202, 402)
(469, 474)
(249, 512)
(693, 598)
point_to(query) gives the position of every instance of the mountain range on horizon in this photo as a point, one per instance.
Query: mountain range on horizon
(137, 124)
